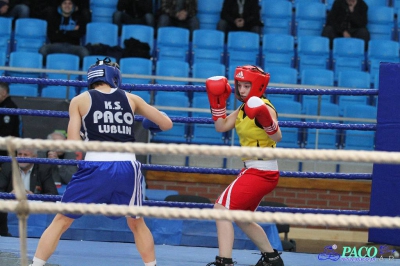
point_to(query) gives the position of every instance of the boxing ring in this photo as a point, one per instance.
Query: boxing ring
(381, 219)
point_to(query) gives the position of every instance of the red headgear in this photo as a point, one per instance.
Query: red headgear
(258, 78)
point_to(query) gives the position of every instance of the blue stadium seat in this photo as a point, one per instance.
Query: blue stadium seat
(61, 62)
(313, 52)
(209, 13)
(101, 33)
(277, 50)
(142, 33)
(277, 16)
(172, 68)
(205, 70)
(309, 18)
(243, 48)
(372, 4)
(353, 79)
(204, 133)
(381, 22)
(285, 75)
(103, 10)
(396, 5)
(139, 66)
(179, 132)
(307, 1)
(347, 54)
(207, 46)
(381, 51)
(316, 77)
(5, 36)
(322, 138)
(290, 136)
(136, 65)
(26, 60)
(30, 34)
(3, 57)
(172, 44)
(359, 139)
(25, 90)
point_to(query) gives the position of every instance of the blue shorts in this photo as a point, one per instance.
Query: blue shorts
(117, 182)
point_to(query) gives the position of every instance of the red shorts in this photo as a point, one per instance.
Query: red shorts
(248, 189)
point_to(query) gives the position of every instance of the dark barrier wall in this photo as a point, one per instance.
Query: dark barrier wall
(385, 199)
(41, 126)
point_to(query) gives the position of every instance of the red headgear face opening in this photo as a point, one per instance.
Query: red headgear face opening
(258, 78)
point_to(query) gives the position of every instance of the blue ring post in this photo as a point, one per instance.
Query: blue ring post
(385, 194)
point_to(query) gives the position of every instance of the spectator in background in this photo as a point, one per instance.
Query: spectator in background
(347, 18)
(83, 6)
(61, 173)
(133, 12)
(65, 28)
(179, 13)
(35, 177)
(9, 124)
(240, 15)
(14, 9)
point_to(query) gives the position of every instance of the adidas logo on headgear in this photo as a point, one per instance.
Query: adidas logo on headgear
(240, 75)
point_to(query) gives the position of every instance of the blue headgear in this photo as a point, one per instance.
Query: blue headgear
(104, 71)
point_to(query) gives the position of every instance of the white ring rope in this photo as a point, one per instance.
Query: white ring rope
(23, 207)
(340, 220)
(209, 150)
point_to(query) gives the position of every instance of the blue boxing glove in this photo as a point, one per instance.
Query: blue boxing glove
(150, 125)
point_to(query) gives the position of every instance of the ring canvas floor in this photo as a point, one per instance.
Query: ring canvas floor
(93, 253)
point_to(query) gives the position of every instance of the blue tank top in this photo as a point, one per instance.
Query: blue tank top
(110, 117)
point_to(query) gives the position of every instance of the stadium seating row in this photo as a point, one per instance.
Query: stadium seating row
(307, 18)
(242, 48)
(292, 17)
(167, 72)
(294, 137)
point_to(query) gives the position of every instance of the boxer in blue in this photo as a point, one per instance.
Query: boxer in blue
(106, 113)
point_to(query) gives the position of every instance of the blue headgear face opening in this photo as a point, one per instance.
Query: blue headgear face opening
(104, 71)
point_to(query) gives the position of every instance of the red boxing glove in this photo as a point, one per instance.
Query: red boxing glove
(256, 108)
(218, 91)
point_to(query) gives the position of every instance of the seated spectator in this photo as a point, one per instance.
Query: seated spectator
(179, 13)
(65, 30)
(61, 173)
(36, 179)
(9, 124)
(133, 12)
(14, 9)
(83, 6)
(240, 15)
(347, 18)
